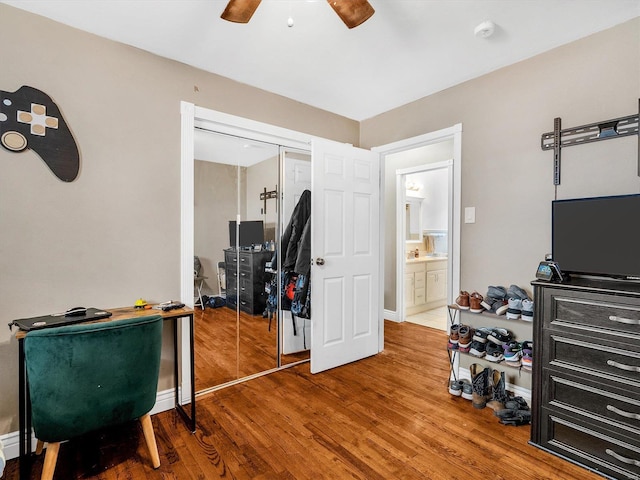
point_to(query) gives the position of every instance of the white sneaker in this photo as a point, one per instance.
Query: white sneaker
(527, 310)
(515, 309)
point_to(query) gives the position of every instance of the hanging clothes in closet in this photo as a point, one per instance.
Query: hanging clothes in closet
(295, 247)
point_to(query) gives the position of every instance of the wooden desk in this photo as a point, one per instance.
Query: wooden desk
(116, 314)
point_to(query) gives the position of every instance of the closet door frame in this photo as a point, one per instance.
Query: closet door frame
(193, 116)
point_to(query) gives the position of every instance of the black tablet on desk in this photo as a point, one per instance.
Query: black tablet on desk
(58, 320)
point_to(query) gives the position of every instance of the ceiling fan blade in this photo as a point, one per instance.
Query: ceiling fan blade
(240, 11)
(352, 12)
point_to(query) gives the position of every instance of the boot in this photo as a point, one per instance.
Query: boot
(480, 382)
(499, 396)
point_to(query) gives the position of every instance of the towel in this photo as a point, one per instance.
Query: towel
(430, 243)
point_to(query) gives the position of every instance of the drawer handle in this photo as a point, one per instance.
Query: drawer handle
(622, 366)
(622, 413)
(627, 321)
(620, 458)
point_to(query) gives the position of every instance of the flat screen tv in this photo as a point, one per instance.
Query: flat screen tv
(598, 236)
(251, 233)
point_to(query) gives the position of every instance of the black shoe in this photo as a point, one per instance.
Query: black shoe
(499, 336)
(514, 417)
(478, 349)
(495, 353)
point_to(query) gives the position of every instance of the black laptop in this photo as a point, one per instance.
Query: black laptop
(60, 319)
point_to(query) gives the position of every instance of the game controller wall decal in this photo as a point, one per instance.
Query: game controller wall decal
(30, 119)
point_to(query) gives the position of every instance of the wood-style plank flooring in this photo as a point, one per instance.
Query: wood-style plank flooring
(222, 356)
(385, 417)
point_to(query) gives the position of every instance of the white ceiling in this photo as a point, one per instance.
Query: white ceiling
(218, 148)
(408, 49)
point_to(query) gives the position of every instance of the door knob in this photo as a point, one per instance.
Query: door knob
(319, 261)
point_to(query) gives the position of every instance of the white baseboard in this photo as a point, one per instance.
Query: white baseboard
(165, 400)
(391, 315)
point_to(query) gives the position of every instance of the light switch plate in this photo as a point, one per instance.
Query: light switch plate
(470, 215)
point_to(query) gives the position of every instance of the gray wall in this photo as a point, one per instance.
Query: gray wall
(113, 235)
(505, 174)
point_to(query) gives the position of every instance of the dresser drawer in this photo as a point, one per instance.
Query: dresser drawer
(576, 353)
(602, 313)
(592, 446)
(230, 258)
(618, 408)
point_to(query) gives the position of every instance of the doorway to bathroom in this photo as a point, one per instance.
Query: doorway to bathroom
(424, 201)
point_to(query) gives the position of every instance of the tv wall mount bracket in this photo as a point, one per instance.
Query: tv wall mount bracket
(593, 132)
(264, 196)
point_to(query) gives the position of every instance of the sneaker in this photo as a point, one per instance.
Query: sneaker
(512, 353)
(495, 353)
(453, 336)
(465, 337)
(493, 294)
(467, 390)
(499, 293)
(463, 300)
(500, 307)
(475, 303)
(487, 302)
(527, 310)
(478, 349)
(499, 336)
(516, 292)
(527, 355)
(455, 387)
(515, 308)
(495, 306)
(481, 334)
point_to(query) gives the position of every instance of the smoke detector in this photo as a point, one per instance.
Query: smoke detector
(485, 29)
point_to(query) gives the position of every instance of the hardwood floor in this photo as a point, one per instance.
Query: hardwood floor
(221, 356)
(385, 417)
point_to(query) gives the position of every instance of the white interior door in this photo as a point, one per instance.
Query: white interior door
(345, 249)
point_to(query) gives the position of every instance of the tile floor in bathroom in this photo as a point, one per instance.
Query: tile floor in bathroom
(436, 318)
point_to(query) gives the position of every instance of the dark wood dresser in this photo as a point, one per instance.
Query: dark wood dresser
(586, 374)
(246, 277)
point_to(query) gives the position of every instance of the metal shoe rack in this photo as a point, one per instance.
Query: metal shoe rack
(454, 317)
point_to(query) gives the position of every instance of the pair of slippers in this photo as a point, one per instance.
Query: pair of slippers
(516, 412)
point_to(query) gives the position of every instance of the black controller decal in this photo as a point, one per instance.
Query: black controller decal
(30, 119)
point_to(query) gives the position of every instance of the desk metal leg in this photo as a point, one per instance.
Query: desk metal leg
(190, 421)
(24, 420)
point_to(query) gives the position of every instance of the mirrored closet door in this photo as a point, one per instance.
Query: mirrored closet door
(232, 234)
(245, 193)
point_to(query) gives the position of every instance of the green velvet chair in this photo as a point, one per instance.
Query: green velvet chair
(86, 377)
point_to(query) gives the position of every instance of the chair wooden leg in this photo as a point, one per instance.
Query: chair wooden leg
(50, 460)
(150, 437)
(39, 447)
